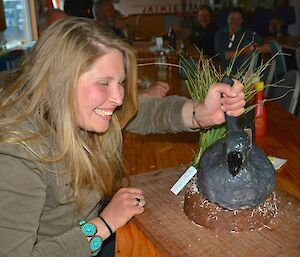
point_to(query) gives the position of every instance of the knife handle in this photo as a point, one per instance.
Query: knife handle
(232, 122)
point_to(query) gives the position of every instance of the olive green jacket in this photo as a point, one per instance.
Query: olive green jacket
(37, 212)
(158, 116)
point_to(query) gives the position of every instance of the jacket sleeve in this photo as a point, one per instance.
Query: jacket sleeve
(158, 116)
(22, 198)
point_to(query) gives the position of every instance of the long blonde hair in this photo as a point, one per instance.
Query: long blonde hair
(45, 85)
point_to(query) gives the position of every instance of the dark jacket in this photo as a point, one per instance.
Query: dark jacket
(224, 43)
(204, 39)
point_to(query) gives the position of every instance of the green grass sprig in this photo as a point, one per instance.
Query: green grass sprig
(201, 74)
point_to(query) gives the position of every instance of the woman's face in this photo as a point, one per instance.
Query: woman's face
(235, 21)
(100, 91)
(204, 17)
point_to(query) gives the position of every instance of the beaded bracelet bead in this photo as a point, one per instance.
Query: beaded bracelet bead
(194, 121)
(194, 114)
(90, 231)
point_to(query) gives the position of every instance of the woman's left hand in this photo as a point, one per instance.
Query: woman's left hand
(126, 203)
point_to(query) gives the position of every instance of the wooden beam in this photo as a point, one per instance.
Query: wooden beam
(33, 20)
(2, 17)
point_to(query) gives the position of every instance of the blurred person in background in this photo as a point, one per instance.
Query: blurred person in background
(203, 36)
(283, 16)
(120, 24)
(237, 38)
(79, 8)
(48, 17)
(261, 22)
(104, 12)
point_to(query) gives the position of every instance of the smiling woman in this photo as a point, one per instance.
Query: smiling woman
(60, 157)
(78, 93)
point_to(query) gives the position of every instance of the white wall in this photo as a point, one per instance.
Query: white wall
(137, 6)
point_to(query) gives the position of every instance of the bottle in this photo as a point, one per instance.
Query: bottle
(195, 8)
(182, 59)
(260, 114)
(172, 38)
(163, 68)
(183, 48)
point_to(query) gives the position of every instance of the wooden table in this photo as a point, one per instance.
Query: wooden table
(166, 225)
(156, 152)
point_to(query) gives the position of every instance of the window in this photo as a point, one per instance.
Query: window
(17, 18)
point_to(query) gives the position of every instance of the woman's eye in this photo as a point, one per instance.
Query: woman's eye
(103, 83)
(122, 83)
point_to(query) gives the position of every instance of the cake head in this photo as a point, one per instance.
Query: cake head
(237, 149)
(235, 174)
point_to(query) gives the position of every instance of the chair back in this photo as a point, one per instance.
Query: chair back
(268, 76)
(286, 93)
(297, 52)
(281, 67)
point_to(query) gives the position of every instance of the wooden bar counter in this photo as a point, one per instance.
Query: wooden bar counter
(156, 152)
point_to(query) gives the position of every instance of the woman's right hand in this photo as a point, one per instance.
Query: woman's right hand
(123, 206)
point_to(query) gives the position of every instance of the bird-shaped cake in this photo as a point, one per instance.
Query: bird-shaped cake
(233, 172)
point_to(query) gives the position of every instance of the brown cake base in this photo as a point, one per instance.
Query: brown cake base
(218, 219)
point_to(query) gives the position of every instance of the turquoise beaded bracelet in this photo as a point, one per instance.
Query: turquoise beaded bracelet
(90, 231)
